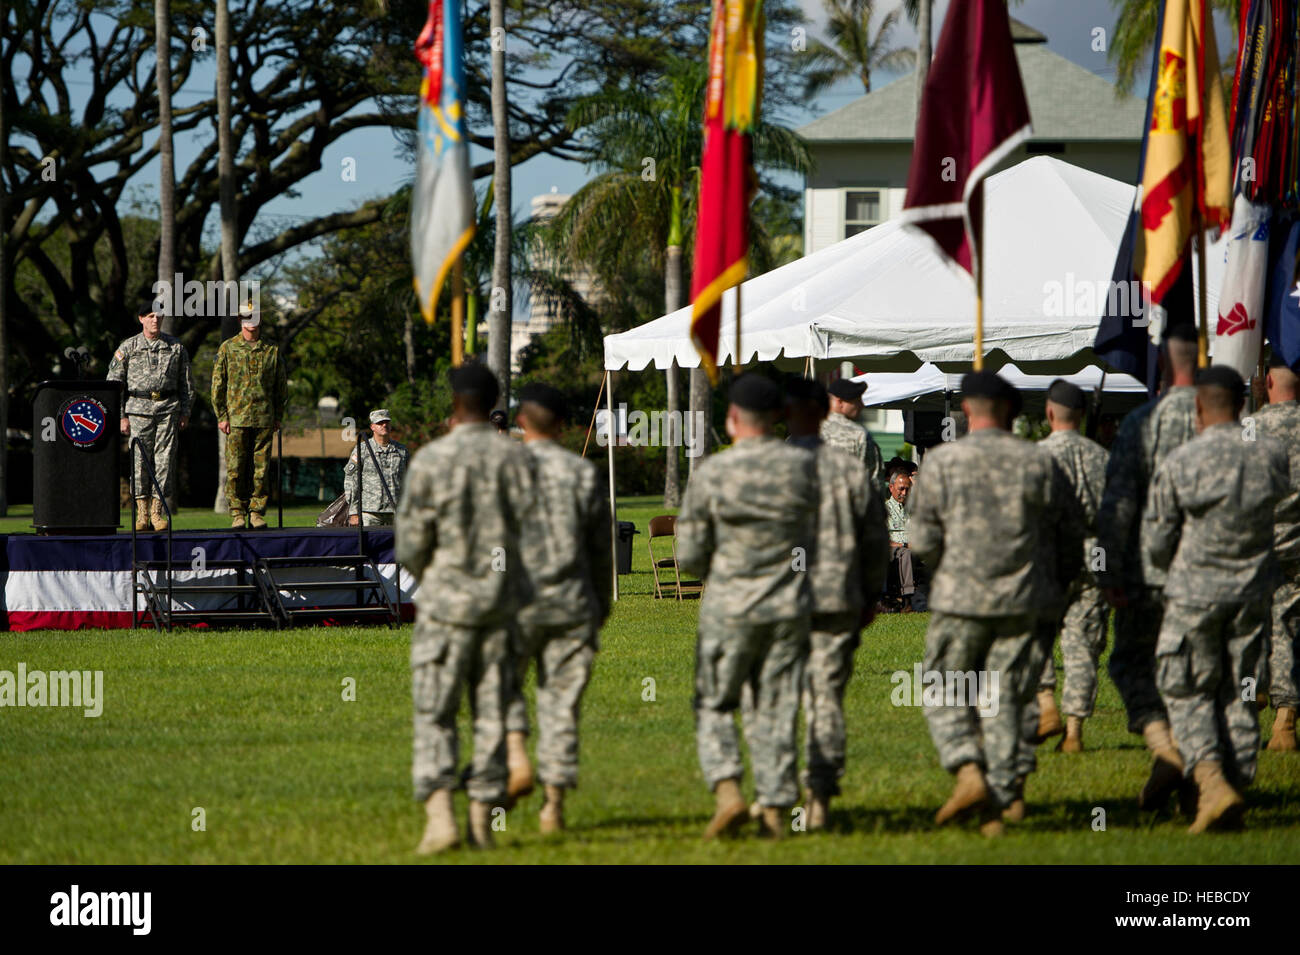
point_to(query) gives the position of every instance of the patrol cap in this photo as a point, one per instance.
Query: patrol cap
(1067, 394)
(1181, 332)
(545, 396)
(1225, 377)
(475, 382)
(753, 392)
(798, 388)
(987, 384)
(847, 390)
(380, 415)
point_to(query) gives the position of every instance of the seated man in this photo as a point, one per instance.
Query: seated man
(903, 567)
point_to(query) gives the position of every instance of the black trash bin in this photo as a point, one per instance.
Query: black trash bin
(625, 531)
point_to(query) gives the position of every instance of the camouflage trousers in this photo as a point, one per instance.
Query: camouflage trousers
(377, 518)
(248, 457)
(157, 434)
(770, 657)
(833, 640)
(1005, 649)
(1284, 675)
(446, 660)
(563, 654)
(1040, 653)
(1203, 656)
(1133, 660)
(1083, 638)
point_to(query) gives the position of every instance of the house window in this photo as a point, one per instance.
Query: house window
(861, 210)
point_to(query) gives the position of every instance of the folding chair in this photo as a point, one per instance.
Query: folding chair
(665, 525)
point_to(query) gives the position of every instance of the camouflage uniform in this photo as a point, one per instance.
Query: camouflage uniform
(1209, 524)
(376, 505)
(1147, 435)
(249, 391)
(467, 496)
(995, 521)
(846, 434)
(159, 392)
(745, 516)
(1083, 628)
(1282, 422)
(567, 548)
(848, 570)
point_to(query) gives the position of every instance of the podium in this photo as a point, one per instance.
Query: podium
(76, 442)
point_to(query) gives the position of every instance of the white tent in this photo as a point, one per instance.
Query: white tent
(886, 299)
(924, 388)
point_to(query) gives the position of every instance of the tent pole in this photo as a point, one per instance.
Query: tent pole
(1202, 343)
(594, 411)
(735, 359)
(613, 503)
(978, 363)
(457, 313)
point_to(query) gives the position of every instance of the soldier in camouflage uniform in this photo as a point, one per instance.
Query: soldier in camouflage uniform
(848, 571)
(249, 393)
(467, 497)
(842, 430)
(367, 493)
(154, 369)
(1209, 526)
(1280, 419)
(1148, 435)
(747, 524)
(567, 549)
(1083, 629)
(995, 521)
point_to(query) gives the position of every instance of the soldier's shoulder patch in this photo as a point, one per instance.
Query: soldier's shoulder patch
(118, 355)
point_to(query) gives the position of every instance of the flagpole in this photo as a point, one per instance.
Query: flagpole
(613, 499)
(457, 313)
(978, 363)
(1202, 344)
(735, 358)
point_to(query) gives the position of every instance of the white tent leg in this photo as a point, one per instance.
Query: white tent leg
(613, 502)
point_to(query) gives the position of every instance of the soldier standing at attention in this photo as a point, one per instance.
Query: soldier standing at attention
(468, 495)
(376, 499)
(1083, 629)
(994, 520)
(569, 557)
(1209, 525)
(249, 393)
(747, 523)
(155, 370)
(1148, 435)
(842, 430)
(1280, 419)
(848, 571)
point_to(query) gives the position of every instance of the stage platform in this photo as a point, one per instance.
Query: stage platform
(73, 582)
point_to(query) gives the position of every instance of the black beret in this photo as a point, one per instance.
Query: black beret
(1182, 332)
(1222, 376)
(753, 392)
(1067, 394)
(475, 380)
(798, 388)
(546, 396)
(149, 305)
(987, 384)
(846, 389)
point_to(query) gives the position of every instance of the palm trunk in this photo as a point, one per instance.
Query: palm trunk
(922, 51)
(699, 401)
(408, 341)
(672, 302)
(4, 317)
(499, 318)
(229, 221)
(167, 170)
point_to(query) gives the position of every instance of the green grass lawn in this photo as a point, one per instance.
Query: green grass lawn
(251, 726)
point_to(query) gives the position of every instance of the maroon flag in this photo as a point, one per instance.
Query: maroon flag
(973, 114)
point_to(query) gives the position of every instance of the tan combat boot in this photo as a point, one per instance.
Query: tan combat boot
(1049, 717)
(1220, 805)
(256, 521)
(772, 822)
(730, 810)
(480, 824)
(237, 521)
(991, 825)
(969, 793)
(520, 782)
(440, 831)
(551, 818)
(1072, 741)
(1166, 768)
(142, 513)
(158, 516)
(1283, 739)
(1016, 811)
(819, 811)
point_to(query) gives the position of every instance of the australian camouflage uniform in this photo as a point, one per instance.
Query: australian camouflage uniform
(250, 391)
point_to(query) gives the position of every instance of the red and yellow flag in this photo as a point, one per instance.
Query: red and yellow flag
(1187, 176)
(727, 179)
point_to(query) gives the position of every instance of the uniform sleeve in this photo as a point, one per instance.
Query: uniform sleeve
(925, 524)
(219, 385)
(117, 366)
(416, 533)
(1071, 522)
(1162, 524)
(599, 548)
(873, 533)
(695, 543)
(350, 483)
(185, 383)
(1118, 510)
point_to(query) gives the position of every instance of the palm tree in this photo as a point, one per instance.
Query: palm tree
(167, 172)
(229, 223)
(499, 319)
(1135, 34)
(649, 144)
(852, 50)
(920, 12)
